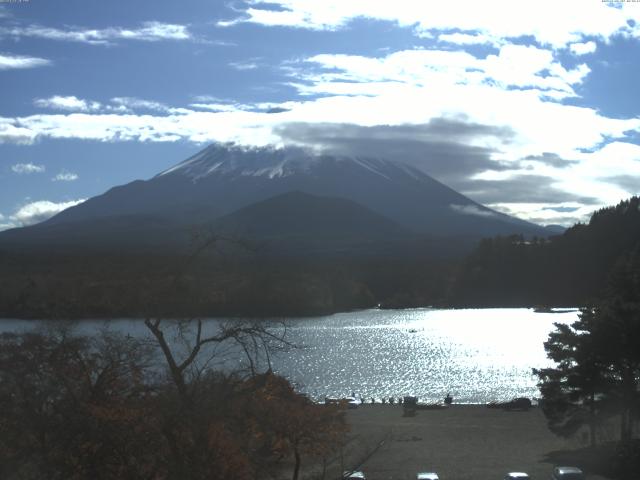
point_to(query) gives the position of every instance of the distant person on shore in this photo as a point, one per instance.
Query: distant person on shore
(448, 400)
(373, 400)
(391, 400)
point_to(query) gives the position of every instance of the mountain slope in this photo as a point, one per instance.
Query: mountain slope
(131, 232)
(299, 223)
(297, 214)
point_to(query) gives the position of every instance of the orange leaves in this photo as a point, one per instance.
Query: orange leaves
(291, 421)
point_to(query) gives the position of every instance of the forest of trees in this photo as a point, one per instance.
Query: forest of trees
(111, 285)
(565, 270)
(115, 407)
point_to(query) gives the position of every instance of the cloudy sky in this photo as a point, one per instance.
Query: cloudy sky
(529, 107)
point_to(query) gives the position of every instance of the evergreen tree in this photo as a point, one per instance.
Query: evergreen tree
(573, 390)
(598, 359)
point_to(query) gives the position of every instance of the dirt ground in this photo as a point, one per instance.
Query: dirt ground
(462, 442)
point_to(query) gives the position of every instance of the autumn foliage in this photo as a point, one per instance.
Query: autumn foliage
(76, 407)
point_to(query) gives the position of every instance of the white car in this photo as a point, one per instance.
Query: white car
(567, 473)
(516, 476)
(354, 476)
(427, 476)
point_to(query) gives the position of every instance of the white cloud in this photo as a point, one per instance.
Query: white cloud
(12, 132)
(469, 39)
(36, 212)
(195, 126)
(565, 214)
(513, 66)
(521, 66)
(10, 62)
(471, 210)
(65, 177)
(591, 173)
(153, 31)
(148, 31)
(583, 48)
(27, 168)
(209, 98)
(129, 104)
(539, 125)
(138, 103)
(249, 65)
(549, 22)
(70, 103)
(220, 107)
(318, 20)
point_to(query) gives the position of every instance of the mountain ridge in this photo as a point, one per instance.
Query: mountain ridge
(221, 179)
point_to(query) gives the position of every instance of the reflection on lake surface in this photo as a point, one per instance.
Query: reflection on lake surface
(477, 355)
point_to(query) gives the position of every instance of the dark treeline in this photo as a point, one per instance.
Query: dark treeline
(568, 269)
(512, 271)
(107, 285)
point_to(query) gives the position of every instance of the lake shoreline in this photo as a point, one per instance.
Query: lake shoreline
(272, 316)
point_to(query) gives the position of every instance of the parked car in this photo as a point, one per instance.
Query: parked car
(520, 403)
(427, 476)
(354, 476)
(567, 473)
(516, 476)
(349, 402)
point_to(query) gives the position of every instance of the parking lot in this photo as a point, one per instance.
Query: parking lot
(461, 443)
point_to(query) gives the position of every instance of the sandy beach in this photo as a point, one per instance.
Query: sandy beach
(462, 442)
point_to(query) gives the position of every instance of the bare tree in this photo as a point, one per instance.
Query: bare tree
(255, 339)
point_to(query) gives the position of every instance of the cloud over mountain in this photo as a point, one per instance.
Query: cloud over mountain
(38, 211)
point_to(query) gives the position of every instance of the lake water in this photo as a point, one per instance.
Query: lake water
(476, 355)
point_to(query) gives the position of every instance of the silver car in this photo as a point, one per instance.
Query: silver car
(427, 476)
(567, 473)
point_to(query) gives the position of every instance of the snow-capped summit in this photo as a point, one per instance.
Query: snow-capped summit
(230, 159)
(234, 160)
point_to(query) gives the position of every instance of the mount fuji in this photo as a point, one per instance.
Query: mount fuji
(280, 193)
